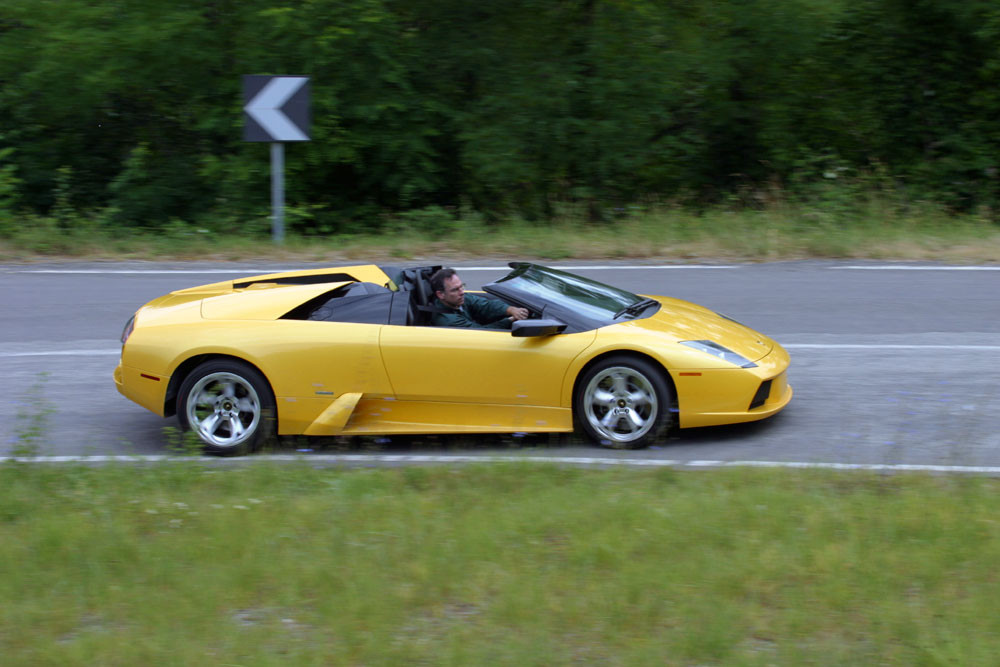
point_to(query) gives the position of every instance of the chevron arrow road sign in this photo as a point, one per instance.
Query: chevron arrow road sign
(276, 107)
(277, 110)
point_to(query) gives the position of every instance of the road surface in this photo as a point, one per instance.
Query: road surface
(891, 363)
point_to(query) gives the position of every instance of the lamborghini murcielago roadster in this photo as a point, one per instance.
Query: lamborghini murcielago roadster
(350, 351)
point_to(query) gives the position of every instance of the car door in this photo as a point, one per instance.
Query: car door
(330, 350)
(485, 366)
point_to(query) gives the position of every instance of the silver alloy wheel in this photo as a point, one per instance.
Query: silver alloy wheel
(620, 404)
(223, 409)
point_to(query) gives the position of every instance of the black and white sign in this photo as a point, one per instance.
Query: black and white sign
(276, 107)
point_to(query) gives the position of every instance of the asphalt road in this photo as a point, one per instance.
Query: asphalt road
(891, 363)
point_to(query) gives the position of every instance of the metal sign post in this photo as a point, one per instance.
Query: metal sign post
(276, 109)
(277, 192)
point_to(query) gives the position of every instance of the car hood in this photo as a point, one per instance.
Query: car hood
(679, 320)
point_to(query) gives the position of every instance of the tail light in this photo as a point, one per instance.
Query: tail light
(127, 331)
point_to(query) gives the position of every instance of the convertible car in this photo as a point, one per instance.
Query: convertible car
(350, 351)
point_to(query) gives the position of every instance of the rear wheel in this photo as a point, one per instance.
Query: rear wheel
(623, 402)
(229, 405)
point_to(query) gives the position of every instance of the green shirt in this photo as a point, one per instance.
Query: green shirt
(476, 313)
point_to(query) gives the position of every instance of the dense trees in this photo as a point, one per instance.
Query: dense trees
(132, 107)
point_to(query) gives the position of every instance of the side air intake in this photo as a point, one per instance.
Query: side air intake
(763, 392)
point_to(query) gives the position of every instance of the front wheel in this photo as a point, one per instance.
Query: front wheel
(623, 402)
(229, 405)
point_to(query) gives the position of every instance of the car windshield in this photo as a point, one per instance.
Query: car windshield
(588, 298)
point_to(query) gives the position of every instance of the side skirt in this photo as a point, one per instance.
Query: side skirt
(380, 416)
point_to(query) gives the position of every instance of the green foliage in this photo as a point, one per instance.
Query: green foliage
(841, 215)
(9, 185)
(32, 420)
(432, 220)
(133, 107)
(499, 564)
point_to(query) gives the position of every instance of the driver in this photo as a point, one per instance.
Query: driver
(455, 308)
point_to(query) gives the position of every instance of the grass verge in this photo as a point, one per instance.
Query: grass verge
(185, 563)
(868, 229)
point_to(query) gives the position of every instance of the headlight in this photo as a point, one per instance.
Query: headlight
(716, 350)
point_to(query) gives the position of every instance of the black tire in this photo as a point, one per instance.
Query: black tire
(229, 405)
(623, 402)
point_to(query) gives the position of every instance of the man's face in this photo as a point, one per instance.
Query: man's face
(453, 295)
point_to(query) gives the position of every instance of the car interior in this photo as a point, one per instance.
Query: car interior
(411, 303)
(421, 295)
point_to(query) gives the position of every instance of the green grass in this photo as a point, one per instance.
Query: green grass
(871, 227)
(187, 563)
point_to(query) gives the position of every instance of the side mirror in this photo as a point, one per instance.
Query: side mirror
(530, 328)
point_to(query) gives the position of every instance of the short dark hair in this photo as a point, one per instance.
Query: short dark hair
(438, 278)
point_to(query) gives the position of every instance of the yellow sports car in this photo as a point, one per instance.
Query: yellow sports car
(350, 351)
